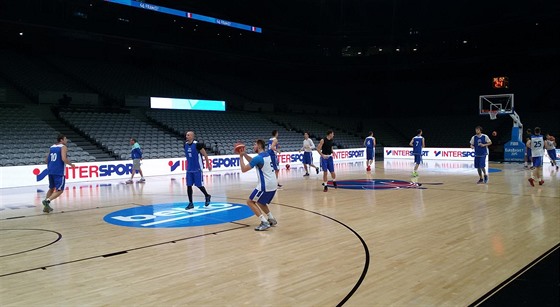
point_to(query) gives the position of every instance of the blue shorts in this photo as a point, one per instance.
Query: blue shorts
(273, 159)
(418, 159)
(57, 182)
(552, 154)
(480, 162)
(261, 197)
(308, 157)
(537, 161)
(327, 164)
(195, 178)
(369, 153)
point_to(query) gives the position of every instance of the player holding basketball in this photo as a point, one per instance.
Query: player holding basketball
(536, 143)
(327, 164)
(307, 148)
(194, 152)
(369, 143)
(56, 160)
(550, 145)
(272, 151)
(480, 142)
(417, 144)
(263, 194)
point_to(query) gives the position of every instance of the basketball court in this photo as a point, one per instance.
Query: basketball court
(440, 239)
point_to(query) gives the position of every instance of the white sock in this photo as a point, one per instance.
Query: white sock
(270, 215)
(263, 219)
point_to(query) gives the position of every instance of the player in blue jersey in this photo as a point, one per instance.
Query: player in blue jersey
(56, 160)
(274, 149)
(550, 146)
(136, 155)
(536, 143)
(528, 155)
(480, 142)
(417, 144)
(325, 149)
(307, 148)
(369, 143)
(194, 152)
(263, 194)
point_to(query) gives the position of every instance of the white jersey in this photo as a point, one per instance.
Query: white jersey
(537, 145)
(549, 145)
(265, 172)
(308, 145)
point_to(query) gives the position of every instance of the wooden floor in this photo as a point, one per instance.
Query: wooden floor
(446, 244)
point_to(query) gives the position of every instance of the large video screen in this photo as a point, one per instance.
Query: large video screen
(187, 104)
(189, 15)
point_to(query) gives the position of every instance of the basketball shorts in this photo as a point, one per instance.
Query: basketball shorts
(307, 157)
(327, 164)
(480, 162)
(552, 154)
(537, 161)
(369, 153)
(417, 159)
(57, 182)
(262, 197)
(273, 159)
(195, 178)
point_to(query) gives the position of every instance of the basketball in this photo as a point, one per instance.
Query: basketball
(287, 166)
(494, 133)
(238, 147)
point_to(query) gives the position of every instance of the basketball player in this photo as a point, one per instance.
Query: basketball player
(327, 164)
(272, 151)
(194, 152)
(417, 144)
(537, 150)
(550, 145)
(56, 160)
(480, 142)
(263, 194)
(136, 155)
(307, 148)
(528, 156)
(369, 143)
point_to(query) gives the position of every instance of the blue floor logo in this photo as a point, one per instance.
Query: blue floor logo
(174, 215)
(376, 184)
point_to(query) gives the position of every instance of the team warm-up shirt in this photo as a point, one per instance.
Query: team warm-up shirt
(327, 147)
(369, 142)
(417, 145)
(55, 164)
(537, 145)
(270, 150)
(136, 151)
(308, 145)
(265, 172)
(476, 141)
(194, 157)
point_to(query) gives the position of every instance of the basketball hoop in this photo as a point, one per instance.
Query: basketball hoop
(493, 114)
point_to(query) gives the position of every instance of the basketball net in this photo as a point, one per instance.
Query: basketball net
(493, 114)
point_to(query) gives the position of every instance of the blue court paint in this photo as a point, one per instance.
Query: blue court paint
(174, 215)
(376, 184)
(494, 170)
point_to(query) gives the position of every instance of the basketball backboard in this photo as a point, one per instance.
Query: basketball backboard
(496, 104)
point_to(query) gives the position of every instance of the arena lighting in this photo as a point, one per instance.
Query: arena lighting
(188, 15)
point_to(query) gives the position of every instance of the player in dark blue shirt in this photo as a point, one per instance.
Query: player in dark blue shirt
(194, 152)
(56, 160)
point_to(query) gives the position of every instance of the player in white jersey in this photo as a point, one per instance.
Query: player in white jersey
(273, 149)
(550, 146)
(536, 143)
(480, 142)
(307, 148)
(263, 194)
